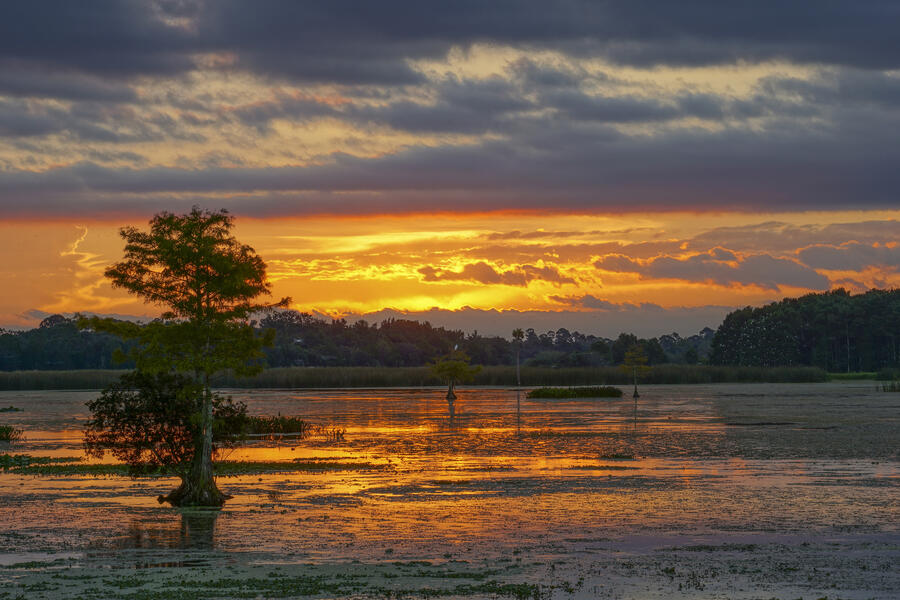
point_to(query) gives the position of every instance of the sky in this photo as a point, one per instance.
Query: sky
(642, 166)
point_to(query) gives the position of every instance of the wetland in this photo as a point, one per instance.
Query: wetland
(696, 491)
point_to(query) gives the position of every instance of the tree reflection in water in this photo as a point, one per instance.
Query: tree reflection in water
(198, 528)
(195, 530)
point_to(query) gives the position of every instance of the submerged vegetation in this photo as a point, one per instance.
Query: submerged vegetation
(605, 391)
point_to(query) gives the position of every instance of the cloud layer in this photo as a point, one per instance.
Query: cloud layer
(285, 108)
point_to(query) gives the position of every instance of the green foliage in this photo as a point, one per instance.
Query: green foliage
(57, 343)
(88, 379)
(835, 331)
(15, 461)
(455, 368)
(299, 339)
(206, 280)
(8, 433)
(277, 425)
(207, 283)
(576, 392)
(149, 421)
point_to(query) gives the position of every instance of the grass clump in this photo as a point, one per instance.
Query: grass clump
(15, 461)
(602, 391)
(30, 465)
(278, 426)
(8, 433)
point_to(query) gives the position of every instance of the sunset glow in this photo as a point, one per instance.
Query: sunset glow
(591, 174)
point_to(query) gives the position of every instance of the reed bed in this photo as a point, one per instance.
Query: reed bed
(278, 425)
(8, 433)
(604, 391)
(339, 377)
(86, 379)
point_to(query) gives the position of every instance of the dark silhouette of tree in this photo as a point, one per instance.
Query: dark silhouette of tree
(147, 421)
(207, 281)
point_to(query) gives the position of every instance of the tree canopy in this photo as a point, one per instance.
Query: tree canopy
(148, 422)
(207, 283)
(835, 330)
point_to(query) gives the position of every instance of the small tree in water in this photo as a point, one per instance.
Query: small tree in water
(635, 363)
(454, 368)
(207, 281)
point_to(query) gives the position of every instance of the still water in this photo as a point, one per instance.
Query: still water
(752, 465)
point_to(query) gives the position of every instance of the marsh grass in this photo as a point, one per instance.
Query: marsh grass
(13, 461)
(340, 377)
(278, 425)
(606, 391)
(891, 386)
(329, 377)
(858, 376)
(30, 465)
(8, 433)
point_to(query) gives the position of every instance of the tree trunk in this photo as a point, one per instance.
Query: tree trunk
(199, 487)
(450, 393)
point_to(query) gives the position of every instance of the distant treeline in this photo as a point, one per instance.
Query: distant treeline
(835, 331)
(303, 340)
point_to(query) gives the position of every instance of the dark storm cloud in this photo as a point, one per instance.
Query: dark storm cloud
(42, 84)
(357, 41)
(590, 301)
(782, 237)
(102, 37)
(852, 256)
(482, 272)
(732, 169)
(556, 141)
(86, 122)
(716, 267)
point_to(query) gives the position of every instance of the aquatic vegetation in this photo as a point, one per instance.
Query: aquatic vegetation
(10, 409)
(8, 433)
(30, 465)
(576, 392)
(277, 425)
(10, 461)
(891, 386)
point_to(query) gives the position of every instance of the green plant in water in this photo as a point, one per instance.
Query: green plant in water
(605, 391)
(8, 433)
(277, 425)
